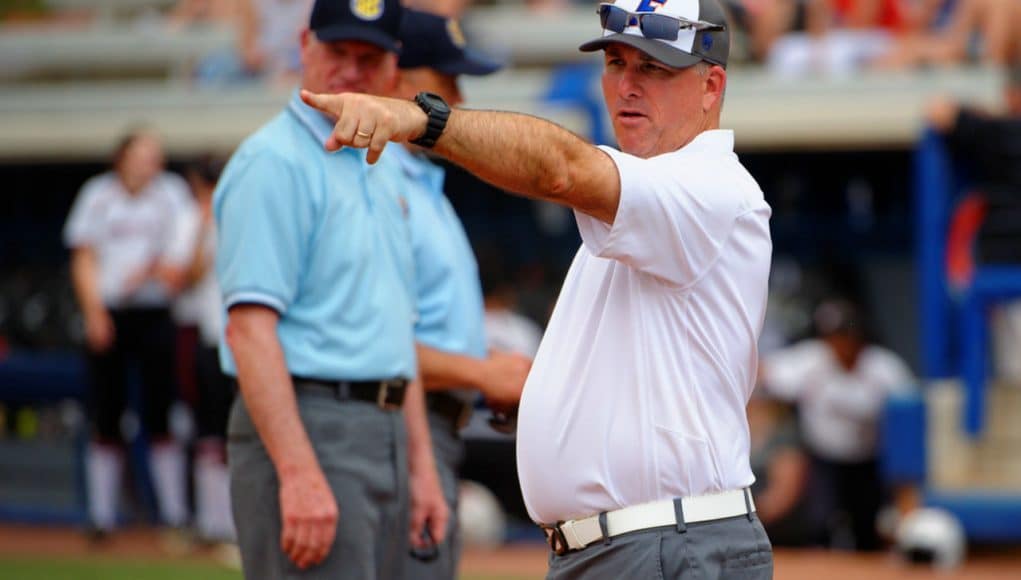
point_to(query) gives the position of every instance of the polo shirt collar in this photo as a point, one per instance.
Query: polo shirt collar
(719, 140)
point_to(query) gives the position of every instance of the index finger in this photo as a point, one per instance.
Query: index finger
(331, 104)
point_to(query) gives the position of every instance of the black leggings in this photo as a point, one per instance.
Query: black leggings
(144, 339)
(856, 490)
(215, 393)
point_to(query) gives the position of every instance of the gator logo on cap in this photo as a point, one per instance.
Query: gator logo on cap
(455, 32)
(650, 5)
(367, 9)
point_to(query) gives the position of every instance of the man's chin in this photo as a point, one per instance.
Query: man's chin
(633, 145)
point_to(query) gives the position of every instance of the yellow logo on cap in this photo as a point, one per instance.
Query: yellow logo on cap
(367, 9)
(455, 32)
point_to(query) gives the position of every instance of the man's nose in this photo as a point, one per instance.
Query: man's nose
(628, 85)
(348, 69)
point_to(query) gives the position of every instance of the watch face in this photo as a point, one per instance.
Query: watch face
(435, 102)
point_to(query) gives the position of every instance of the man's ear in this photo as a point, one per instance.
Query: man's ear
(304, 39)
(715, 85)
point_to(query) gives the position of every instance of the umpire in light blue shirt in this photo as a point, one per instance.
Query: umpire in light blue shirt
(315, 265)
(455, 363)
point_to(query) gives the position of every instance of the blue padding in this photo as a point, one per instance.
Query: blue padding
(27, 377)
(902, 455)
(42, 515)
(990, 285)
(933, 192)
(985, 518)
(573, 85)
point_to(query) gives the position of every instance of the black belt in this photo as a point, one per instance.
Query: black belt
(452, 409)
(387, 394)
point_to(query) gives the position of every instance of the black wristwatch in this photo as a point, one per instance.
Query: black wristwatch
(438, 111)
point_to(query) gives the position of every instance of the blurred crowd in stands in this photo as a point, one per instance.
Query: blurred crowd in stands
(789, 37)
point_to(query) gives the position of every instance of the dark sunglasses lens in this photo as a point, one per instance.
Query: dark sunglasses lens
(658, 26)
(613, 18)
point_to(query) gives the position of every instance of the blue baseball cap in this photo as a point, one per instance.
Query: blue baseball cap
(436, 42)
(374, 21)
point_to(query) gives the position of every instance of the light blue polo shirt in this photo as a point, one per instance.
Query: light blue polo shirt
(324, 240)
(448, 293)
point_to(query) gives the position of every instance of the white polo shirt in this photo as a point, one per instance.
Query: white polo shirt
(639, 388)
(839, 409)
(129, 232)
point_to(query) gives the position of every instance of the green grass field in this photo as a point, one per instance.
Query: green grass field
(114, 569)
(117, 569)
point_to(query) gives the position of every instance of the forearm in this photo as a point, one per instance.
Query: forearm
(420, 455)
(85, 279)
(787, 475)
(268, 394)
(523, 154)
(442, 370)
(532, 157)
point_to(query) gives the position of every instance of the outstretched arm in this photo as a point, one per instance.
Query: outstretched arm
(516, 152)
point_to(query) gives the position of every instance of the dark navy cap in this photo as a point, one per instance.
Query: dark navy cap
(436, 42)
(375, 21)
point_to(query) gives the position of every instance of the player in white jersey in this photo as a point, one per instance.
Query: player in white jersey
(840, 383)
(130, 233)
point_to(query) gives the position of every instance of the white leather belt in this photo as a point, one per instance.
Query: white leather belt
(579, 533)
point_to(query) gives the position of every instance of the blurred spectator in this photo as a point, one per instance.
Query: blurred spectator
(781, 470)
(267, 38)
(945, 32)
(201, 305)
(828, 36)
(841, 36)
(764, 21)
(187, 13)
(36, 13)
(840, 383)
(130, 244)
(989, 139)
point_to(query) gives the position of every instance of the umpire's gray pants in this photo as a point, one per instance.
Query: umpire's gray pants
(361, 450)
(449, 451)
(729, 549)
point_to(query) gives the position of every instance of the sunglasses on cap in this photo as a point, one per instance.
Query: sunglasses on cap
(653, 26)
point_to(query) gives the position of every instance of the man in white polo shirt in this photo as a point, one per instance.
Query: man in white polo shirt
(632, 439)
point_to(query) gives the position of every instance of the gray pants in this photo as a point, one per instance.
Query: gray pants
(449, 450)
(730, 549)
(361, 450)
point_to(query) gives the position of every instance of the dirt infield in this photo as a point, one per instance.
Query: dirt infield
(517, 562)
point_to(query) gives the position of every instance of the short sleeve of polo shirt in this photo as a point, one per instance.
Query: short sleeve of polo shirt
(672, 220)
(264, 220)
(82, 222)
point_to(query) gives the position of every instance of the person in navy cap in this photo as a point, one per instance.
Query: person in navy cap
(316, 271)
(454, 362)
